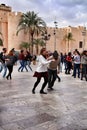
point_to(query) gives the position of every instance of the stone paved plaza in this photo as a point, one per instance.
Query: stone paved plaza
(65, 108)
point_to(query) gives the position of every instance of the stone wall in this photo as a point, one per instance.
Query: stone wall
(8, 27)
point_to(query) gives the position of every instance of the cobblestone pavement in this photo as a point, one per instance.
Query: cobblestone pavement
(65, 108)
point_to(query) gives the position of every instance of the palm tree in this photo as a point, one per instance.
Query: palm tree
(38, 42)
(25, 45)
(32, 24)
(1, 42)
(68, 37)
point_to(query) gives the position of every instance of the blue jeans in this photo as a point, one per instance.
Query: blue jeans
(5, 70)
(23, 64)
(1, 67)
(76, 70)
(28, 63)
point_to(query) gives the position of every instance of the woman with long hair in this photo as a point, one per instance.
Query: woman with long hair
(41, 71)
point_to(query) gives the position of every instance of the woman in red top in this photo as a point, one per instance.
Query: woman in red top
(68, 63)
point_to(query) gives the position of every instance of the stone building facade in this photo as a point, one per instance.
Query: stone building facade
(8, 27)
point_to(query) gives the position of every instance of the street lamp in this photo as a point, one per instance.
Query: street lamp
(84, 34)
(55, 23)
(45, 37)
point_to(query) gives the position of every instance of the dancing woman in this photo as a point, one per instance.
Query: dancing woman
(41, 71)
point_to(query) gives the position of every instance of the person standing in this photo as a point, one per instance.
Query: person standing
(22, 60)
(68, 63)
(84, 65)
(41, 71)
(2, 59)
(53, 68)
(10, 61)
(77, 61)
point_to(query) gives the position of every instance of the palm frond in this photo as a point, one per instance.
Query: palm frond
(1, 42)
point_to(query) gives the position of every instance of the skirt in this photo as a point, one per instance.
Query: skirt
(40, 74)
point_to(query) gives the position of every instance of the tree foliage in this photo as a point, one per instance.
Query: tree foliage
(25, 45)
(38, 42)
(1, 42)
(68, 37)
(32, 24)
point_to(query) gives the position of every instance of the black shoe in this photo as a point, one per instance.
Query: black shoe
(33, 91)
(42, 92)
(59, 80)
(7, 77)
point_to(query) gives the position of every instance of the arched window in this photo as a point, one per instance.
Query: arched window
(80, 44)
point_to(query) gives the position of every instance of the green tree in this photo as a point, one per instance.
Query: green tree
(25, 45)
(68, 37)
(1, 42)
(32, 24)
(38, 42)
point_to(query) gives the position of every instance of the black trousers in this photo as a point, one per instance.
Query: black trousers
(84, 71)
(43, 85)
(52, 75)
(10, 70)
